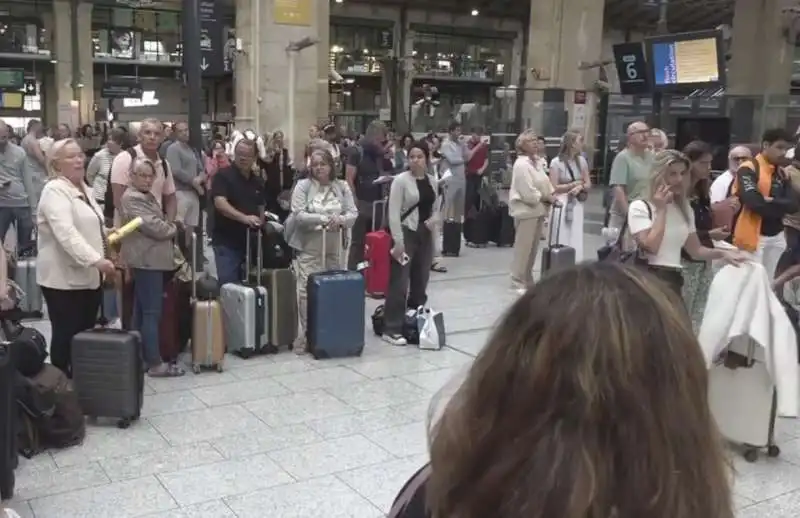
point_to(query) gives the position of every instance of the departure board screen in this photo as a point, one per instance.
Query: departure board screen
(685, 62)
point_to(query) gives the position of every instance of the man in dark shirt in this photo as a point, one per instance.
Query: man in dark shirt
(764, 191)
(238, 208)
(366, 176)
(475, 167)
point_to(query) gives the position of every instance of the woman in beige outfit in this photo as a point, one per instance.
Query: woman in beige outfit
(529, 199)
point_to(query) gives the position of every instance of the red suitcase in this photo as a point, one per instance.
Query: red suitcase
(377, 248)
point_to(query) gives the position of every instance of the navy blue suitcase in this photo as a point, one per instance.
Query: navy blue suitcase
(336, 303)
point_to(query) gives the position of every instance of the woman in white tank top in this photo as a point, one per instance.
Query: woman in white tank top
(569, 174)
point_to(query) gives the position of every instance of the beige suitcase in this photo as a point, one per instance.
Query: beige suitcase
(208, 334)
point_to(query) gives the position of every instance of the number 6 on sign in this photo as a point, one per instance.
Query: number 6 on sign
(630, 66)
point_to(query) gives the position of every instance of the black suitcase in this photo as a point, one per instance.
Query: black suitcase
(8, 422)
(478, 227)
(108, 374)
(451, 239)
(503, 231)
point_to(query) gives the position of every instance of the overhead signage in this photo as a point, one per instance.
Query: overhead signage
(121, 90)
(631, 68)
(292, 12)
(12, 79)
(148, 98)
(212, 56)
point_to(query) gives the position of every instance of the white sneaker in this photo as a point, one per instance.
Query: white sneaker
(115, 324)
(396, 340)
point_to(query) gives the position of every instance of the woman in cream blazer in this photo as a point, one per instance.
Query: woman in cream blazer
(71, 255)
(529, 199)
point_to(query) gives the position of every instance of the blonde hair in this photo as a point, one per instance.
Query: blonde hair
(524, 138)
(140, 162)
(659, 134)
(661, 164)
(568, 142)
(54, 155)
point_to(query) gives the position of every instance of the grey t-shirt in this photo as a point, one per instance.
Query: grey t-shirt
(633, 172)
(184, 164)
(455, 154)
(19, 192)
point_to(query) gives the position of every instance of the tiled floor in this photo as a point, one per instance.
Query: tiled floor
(294, 438)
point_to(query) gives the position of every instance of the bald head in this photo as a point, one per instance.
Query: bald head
(638, 136)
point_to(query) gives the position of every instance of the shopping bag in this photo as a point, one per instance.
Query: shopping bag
(431, 329)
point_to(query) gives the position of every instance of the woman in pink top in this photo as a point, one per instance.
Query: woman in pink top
(216, 159)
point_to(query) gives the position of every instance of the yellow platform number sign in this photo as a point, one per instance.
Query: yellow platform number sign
(292, 12)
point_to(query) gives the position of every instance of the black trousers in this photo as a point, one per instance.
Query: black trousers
(672, 277)
(408, 285)
(472, 200)
(70, 312)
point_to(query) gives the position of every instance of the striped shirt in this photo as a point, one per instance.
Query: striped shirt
(97, 173)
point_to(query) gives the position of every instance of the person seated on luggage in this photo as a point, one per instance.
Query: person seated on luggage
(148, 252)
(71, 256)
(412, 217)
(321, 204)
(238, 208)
(578, 448)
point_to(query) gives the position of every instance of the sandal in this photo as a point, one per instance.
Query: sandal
(436, 267)
(166, 371)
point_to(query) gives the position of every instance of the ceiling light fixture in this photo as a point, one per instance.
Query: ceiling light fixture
(475, 12)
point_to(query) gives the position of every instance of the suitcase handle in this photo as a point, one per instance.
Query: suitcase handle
(259, 255)
(375, 205)
(193, 263)
(325, 245)
(554, 223)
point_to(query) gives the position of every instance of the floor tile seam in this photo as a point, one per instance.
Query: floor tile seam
(434, 367)
(295, 391)
(58, 493)
(381, 428)
(237, 459)
(356, 491)
(166, 490)
(206, 442)
(284, 391)
(189, 391)
(767, 500)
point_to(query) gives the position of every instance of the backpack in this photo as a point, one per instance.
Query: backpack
(50, 414)
(108, 200)
(30, 346)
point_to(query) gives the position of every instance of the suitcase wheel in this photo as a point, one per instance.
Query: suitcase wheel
(125, 423)
(245, 354)
(196, 368)
(773, 451)
(751, 454)
(220, 368)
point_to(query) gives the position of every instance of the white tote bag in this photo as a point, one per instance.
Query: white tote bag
(431, 329)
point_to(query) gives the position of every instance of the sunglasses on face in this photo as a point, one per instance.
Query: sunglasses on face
(739, 158)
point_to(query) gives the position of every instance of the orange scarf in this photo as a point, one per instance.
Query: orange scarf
(747, 224)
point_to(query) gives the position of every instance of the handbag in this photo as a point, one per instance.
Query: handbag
(432, 334)
(583, 195)
(615, 251)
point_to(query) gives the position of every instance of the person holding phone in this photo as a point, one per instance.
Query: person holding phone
(412, 216)
(662, 223)
(697, 275)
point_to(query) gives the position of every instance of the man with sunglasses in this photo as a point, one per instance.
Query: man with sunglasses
(721, 187)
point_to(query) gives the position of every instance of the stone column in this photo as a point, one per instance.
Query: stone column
(69, 109)
(760, 69)
(86, 62)
(62, 53)
(563, 34)
(261, 76)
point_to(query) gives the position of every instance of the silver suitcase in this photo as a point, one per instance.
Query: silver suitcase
(245, 312)
(25, 277)
(742, 398)
(556, 256)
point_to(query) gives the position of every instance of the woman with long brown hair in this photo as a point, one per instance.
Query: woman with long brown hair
(588, 401)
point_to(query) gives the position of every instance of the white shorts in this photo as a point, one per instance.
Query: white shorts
(188, 208)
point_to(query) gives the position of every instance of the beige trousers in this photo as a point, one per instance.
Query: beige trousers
(526, 246)
(304, 265)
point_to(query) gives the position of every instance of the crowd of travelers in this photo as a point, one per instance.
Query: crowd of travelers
(582, 437)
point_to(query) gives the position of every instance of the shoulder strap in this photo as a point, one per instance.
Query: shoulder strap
(408, 212)
(410, 490)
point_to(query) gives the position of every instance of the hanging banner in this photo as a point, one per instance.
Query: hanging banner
(292, 12)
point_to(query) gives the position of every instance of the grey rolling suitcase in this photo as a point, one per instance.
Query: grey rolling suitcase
(25, 277)
(108, 374)
(556, 256)
(245, 311)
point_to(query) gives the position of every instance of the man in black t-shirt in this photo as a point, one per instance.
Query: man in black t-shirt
(365, 175)
(238, 208)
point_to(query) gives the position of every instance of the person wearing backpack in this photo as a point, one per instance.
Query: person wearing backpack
(151, 133)
(99, 169)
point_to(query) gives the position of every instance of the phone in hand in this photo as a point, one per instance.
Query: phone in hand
(404, 259)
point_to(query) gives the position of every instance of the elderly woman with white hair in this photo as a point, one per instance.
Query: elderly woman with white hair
(71, 245)
(529, 200)
(658, 140)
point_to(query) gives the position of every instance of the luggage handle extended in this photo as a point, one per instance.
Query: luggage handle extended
(555, 222)
(375, 205)
(259, 252)
(325, 230)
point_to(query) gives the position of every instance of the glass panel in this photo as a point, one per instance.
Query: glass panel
(33, 103)
(461, 56)
(122, 17)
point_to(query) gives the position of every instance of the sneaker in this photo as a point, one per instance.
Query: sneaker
(395, 339)
(115, 324)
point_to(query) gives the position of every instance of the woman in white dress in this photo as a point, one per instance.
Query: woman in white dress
(569, 174)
